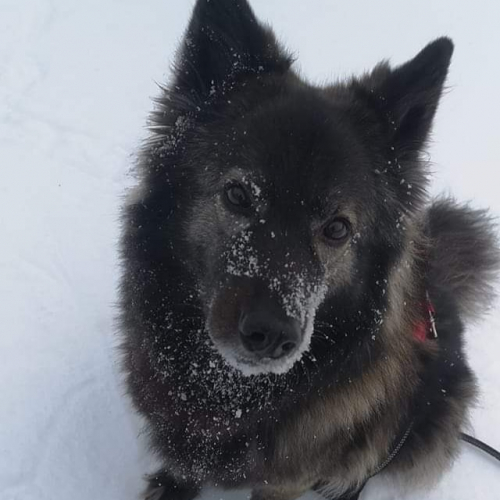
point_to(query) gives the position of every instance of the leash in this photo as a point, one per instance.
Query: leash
(480, 445)
(423, 331)
(431, 327)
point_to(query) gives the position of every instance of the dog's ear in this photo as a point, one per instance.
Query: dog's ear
(224, 41)
(410, 94)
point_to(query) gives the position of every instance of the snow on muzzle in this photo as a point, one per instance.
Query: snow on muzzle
(261, 315)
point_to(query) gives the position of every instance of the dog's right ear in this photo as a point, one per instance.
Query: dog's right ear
(224, 41)
(408, 95)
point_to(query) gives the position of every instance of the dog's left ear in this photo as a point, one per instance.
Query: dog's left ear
(410, 94)
(224, 41)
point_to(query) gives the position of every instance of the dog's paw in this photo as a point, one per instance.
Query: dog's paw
(155, 493)
(162, 486)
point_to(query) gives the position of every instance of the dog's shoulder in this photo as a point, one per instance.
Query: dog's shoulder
(464, 254)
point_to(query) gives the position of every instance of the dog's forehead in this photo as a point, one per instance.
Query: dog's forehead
(304, 150)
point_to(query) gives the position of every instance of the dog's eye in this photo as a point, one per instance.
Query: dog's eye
(237, 196)
(336, 230)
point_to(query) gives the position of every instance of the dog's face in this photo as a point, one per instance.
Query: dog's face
(282, 202)
(293, 189)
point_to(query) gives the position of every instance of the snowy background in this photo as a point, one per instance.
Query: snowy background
(76, 79)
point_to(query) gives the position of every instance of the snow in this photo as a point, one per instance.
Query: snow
(75, 85)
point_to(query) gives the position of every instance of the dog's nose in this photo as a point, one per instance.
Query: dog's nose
(268, 336)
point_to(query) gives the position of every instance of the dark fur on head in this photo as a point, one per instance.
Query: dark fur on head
(199, 267)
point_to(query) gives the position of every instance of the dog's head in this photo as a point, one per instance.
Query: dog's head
(294, 197)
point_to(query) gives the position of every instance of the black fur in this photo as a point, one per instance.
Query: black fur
(464, 258)
(225, 43)
(162, 486)
(236, 109)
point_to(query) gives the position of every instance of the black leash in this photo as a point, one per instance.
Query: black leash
(421, 334)
(402, 440)
(479, 444)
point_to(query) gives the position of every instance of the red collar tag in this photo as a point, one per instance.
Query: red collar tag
(426, 329)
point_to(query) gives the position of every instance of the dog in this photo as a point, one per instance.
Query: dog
(292, 301)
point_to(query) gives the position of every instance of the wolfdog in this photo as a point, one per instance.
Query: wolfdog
(292, 301)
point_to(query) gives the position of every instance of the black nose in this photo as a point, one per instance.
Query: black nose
(268, 335)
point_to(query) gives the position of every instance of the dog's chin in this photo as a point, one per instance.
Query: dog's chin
(250, 366)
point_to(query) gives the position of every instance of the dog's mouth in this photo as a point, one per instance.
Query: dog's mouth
(249, 366)
(259, 357)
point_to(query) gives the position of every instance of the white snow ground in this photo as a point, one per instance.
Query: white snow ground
(75, 82)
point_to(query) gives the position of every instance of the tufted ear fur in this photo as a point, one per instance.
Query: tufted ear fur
(223, 42)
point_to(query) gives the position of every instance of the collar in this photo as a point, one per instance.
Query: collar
(426, 328)
(399, 442)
